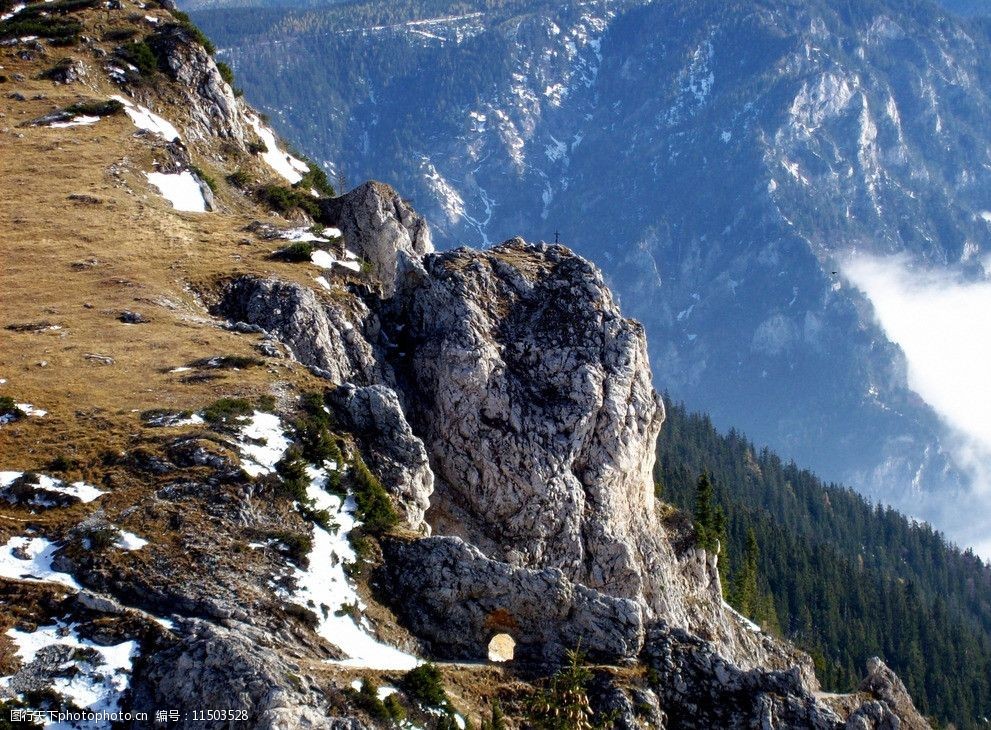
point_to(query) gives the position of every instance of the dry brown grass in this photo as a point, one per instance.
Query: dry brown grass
(78, 264)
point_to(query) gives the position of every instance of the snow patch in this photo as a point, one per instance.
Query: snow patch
(30, 559)
(287, 166)
(129, 541)
(13, 11)
(181, 189)
(325, 588)
(100, 676)
(147, 120)
(262, 443)
(78, 121)
(80, 490)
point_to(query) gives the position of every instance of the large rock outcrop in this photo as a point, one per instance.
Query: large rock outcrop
(533, 396)
(457, 599)
(213, 110)
(380, 227)
(333, 340)
(212, 666)
(395, 453)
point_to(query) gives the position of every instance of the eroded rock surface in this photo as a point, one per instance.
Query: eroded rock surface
(458, 599)
(380, 227)
(228, 667)
(331, 339)
(373, 413)
(213, 110)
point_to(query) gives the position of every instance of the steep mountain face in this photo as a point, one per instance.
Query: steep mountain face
(270, 451)
(719, 161)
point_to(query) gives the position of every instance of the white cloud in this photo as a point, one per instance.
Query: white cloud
(942, 322)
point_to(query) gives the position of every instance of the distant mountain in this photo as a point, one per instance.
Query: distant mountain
(719, 160)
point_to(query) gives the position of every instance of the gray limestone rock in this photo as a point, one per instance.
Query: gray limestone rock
(380, 227)
(330, 338)
(212, 666)
(453, 596)
(373, 413)
(213, 110)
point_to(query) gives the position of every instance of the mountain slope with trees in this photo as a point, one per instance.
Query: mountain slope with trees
(843, 578)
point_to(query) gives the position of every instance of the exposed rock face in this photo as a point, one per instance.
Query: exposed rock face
(699, 688)
(213, 109)
(884, 684)
(457, 599)
(329, 339)
(509, 381)
(534, 399)
(374, 414)
(380, 227)
(212, 666)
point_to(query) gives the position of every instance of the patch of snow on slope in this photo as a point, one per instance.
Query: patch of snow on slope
(129, 541)
(556, 150)
(262, 443)
(99, 674)
(985, 216)
(449, 198)
(325, 588)
(30, 410)
(13, 11)
(80, 490)
(30, 559)
(181, 189)
(287, 166)
(79, 121)
(147, 120)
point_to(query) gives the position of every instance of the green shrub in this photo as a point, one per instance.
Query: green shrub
(564, 704)
(186, 23)
(227, 362)
(375, 508)
(205, 177)
(140, 55)
(9, 408)
(285, 200)
(93, 108)
(297, 252)
(297, 546)
(368, 700)
(395, 708)
(313, 432)
(226, 72)
(266, 403)
(227, 410)
(316, 179)
(118, 35)
(101, 538)
(62, 463)
(239, 179)
(62, 31)
(293, 479)
(426, 685)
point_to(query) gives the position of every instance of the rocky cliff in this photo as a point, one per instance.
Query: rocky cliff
(268, 456)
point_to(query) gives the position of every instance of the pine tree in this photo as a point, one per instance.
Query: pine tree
(704, 513)
(746, 591)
